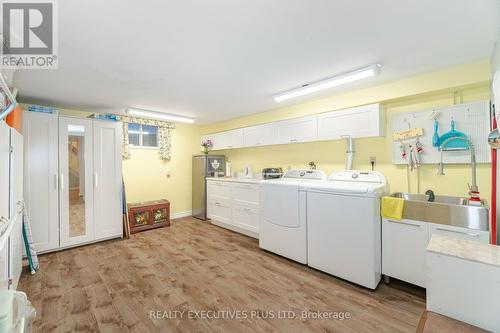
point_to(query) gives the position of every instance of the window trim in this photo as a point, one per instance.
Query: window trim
(140, 146)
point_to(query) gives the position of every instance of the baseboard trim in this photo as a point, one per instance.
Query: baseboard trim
(179, 215)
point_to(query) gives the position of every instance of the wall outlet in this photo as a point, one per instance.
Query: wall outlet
(373, 160)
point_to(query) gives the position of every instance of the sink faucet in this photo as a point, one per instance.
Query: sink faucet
(312, 165)
(473, 189)
(431, 195)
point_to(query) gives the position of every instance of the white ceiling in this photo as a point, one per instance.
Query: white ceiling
(221, 59)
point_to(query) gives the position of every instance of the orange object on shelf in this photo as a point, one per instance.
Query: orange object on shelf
(15, 119)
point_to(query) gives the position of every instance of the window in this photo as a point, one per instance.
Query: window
(142, 135)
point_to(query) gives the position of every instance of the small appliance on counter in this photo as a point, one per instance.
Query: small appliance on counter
(272, 173)
(248, 171)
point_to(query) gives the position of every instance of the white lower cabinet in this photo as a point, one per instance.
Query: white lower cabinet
(404, 244)
(234, 205)
(457, 232)
(245, 217)
(219, 209)
(403, 250)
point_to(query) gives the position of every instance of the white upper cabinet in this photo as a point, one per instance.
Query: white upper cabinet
(226, 140)
(362, 121)
(297, 130)
(260, 135)
(358, 122)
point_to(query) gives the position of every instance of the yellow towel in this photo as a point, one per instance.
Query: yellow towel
(392, 208)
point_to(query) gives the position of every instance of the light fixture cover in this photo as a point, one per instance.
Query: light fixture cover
(159, 115)
(331, 82)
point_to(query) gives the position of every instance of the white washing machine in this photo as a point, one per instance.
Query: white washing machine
(344, 227)
(283, 228)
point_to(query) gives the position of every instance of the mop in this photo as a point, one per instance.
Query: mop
(28, 241)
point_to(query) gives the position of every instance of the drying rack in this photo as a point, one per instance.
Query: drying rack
(10, 96)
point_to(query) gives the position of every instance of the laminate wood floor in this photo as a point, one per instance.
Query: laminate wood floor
(192, 267)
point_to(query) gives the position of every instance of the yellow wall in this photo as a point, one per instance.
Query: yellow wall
(145, 174)
(442, 88)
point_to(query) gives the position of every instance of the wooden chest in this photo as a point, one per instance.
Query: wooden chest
(149, 215)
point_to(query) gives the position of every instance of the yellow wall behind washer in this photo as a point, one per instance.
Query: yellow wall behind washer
(460, 84)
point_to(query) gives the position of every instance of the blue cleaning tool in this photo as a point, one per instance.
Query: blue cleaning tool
(452, 144)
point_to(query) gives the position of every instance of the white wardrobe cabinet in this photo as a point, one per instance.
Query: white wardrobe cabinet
(4, 172)
(4, 203)
(41, 172)
(11, 182)
(107, 180)
(73, 180)
(76, 195)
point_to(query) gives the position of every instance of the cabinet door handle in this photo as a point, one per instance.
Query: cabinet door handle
(56, 181)
(247, 210)
(217, 204)
(61, 182)
(293, 140)
(472, 234)
(95, 179)
(405, 223)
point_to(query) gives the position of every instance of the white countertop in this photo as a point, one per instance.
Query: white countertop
(465, 249)
(236, 180)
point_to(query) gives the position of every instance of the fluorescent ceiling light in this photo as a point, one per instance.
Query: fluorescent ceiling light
(158, 115)
(334, 81)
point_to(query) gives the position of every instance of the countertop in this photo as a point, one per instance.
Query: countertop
(465, 249)
(236, 180)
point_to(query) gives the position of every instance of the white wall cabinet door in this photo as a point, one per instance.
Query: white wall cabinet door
(457, 232)
(76, 202)
(226, 140)
(16, 252)
(4, 268)
(107, 179)
(16, 166)
(260, 135)
(4, 171)
(362, 121)
(297, 130)
(40, 133)
(403, 250)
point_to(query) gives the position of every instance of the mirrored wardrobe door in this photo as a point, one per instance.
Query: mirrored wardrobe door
(75, 181)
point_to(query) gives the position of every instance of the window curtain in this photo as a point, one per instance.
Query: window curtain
(164, 136)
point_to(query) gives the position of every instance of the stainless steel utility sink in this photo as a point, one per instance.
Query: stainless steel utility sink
(445, 210)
